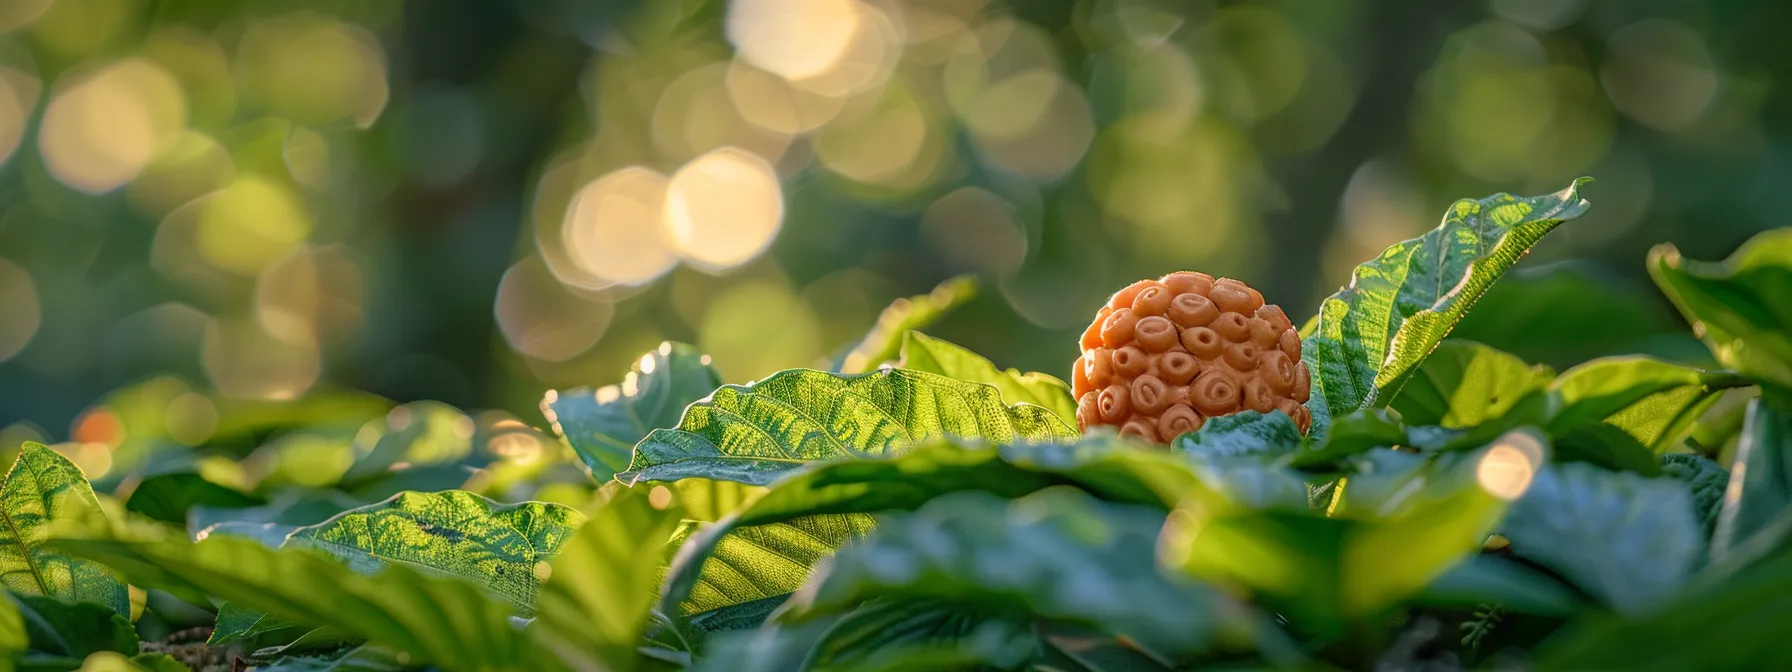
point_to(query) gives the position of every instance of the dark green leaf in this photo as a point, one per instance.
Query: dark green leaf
(1370, 335)
(443, 620)
(237, 623)
(1706, 479)
(1057, 554)
(826, 503)
(921, 352)
(1246, 433)
(74, 630)
(1389, 541)
(1764, 496)
(594, 605)
(604, 426)
(905, 315)
(168, 497)
(43, 486)
(1741, 306)
(756, 433)
(898, 633)
(1732, 624)
(1651, 400)
(1488, 579)
(1627, 540)
(1568, 312)
(1465, 384)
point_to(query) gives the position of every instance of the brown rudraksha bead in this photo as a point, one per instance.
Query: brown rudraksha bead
(1165, 355)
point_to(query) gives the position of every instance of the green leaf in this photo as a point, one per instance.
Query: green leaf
(897, 633)
(73, 630)
(418, 434)
(1488, 579)
(823, 506)
(1386, 545)
(604, 426)
(595, 602)
(1730, 624)
(1651, 400)
(168, 497)
(903, 316)
(758, 432)
(1760, 488)
(237, 623)
(1056, 554)
(288, 508)
(1241, 434)
(452, 623)
(364, 658)
(43, 486)
(1706, 480)
(1465, 384)
(158, 662)
(1373, 333)
(1741, 306)
(14, 638)
(1627, 540)
(503, 547)
(921, 352)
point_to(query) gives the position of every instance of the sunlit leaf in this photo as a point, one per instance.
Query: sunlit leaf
(1464, 384)
(756, 433)
(905, 315)
(43, 486)
(1741, 306)
(594, 604)
(1651, 400)
(503, 547)
(1057, 554)
(1627, 540)
(825, 505)
(449, 622)
(603, 426)
(921, 352)
(1373, 333)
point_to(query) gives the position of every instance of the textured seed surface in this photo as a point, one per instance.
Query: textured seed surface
(1165, 355)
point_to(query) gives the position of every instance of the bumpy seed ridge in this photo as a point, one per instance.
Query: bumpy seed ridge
(1165, 355)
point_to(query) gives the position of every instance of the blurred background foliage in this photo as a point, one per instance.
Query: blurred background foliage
(218, 219)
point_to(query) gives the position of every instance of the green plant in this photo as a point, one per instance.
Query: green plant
(1451, 505)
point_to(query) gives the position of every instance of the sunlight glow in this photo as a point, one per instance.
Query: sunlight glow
(724, 208)
(103, 128)
(613, 227)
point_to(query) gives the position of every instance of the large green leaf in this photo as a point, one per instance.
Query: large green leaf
(1057, 554)
(594, 604)
(1370, 335)
(43, 486)
(825, 505)
(898, 633)
(921, 352)
(1387, 542)
(1732, 624)
(1627, 540)
(14, 638)
(1707, 480)
(73, 630)
(452, 623)
(604, 426)
(1464, 384)
(168, 497)
(1651, 400)
(417, 435)
(1241, 434)
(1758, 511)
(905, 315)
(756, 433)
(1741, 306)
(504, 547)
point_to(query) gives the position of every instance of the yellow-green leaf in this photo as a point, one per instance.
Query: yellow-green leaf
(44, 486)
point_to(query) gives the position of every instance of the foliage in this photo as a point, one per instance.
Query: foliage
(941, 513)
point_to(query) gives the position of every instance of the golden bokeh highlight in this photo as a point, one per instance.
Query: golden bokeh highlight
(313, 69)
(250, 224)
(20, 312)
(104, 126)
(1509, 466)
(311, 296)
(793, 38)
(193, 166)
(880, 141)
(545, 320)
(244, 361)
(871, 54)
(774, 103)
(697, 113)
(613, 228)
(307, 156)
(723, 208)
